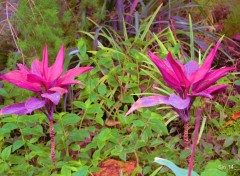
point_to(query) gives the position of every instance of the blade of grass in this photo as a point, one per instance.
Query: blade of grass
(191, 37)
(150, 22)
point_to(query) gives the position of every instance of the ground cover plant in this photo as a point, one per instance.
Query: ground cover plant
(85, 114)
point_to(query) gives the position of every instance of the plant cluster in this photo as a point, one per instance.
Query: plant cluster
(76, 124)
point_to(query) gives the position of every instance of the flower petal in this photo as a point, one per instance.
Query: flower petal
(148, 102)
(23, 108)
(19, 78)
(59, 90)
(36, 68)
(190, 68)
(53, 97)
(57, 68)
(33, 104)
(178, 102)
(45, 63)
(17, 108)
(207, 92)
(202, 71)
(69, 76)
(179, 70)
(168, 75)
(23, 68)
(211, 78)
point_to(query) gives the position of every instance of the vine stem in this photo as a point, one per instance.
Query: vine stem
(52, 143)
(185, 136)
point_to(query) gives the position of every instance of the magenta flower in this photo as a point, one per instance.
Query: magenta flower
(188, 81)
(49, 83)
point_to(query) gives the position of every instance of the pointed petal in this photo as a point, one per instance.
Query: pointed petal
(17, 108)
(168, 75)
(190, 68)
(23, 108)
(33, 104)
(53, 97)
(207, 92)
(202, 71)
(69, 76)
(59, 90)
(57, 68)
(148, 102)
(178, 102)
(19, 78)
(23, 68)
(45, 62)
(179, 70)
(36, 68)
(211, 78)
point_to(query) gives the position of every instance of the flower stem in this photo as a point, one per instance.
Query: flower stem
(185, 136)
(52, 143)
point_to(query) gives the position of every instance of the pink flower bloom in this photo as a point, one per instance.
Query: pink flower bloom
(49, 83)
(188, 81)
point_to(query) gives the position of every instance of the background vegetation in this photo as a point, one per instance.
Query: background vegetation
(113, 36)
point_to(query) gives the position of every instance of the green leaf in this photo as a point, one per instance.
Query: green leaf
(138, 123)
(79, 104)
(83, 171)
(65, 171)
(176, 170)
(185, 153)
(229, 141)
(6, 128)
(3, 92)
(70, 119)
(102, 89)
(6, 152)
(17, 144)
(213, 168)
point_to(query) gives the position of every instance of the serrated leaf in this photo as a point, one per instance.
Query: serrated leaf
(70, 119)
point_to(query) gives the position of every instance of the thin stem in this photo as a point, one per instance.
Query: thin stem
(52, 143)
(185, 136)
(194, 144)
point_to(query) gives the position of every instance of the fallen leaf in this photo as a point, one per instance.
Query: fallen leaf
(235, 116)
(114, 168)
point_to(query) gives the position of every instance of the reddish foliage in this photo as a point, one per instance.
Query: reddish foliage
(114, 167)
(235, 116)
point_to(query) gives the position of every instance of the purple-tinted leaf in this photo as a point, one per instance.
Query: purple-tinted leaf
(202, 71)
(196, 131)
(36, 68)
(207, 92)
(54, 97)
(190, 67)
(17, 108)
(57, 68)
(33, 104)
(23, 68)
(167, 73)
(211, 78)
(59, 90)
(178, 68)
(19, 78)
(69, 76)
(148, 102)
(178, 102)
(45, 63)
